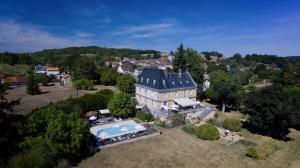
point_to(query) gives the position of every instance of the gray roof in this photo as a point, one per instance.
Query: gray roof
(158, 79)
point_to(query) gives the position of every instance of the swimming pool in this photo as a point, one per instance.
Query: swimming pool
(116, 129)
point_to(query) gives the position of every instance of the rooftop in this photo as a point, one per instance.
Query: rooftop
(158, 79)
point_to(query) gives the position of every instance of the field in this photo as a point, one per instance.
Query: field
(16, 70)
(51, 94)
(175, 148)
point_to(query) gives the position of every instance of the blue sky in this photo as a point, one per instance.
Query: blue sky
(227, 26)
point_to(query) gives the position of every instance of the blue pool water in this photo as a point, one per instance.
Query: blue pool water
(117, 130)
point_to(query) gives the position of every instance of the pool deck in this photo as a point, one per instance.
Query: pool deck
(129, 140)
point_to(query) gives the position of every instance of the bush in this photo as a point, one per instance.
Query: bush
(216, 115)
(264, 150)
(189, 128)
(207, 132)
(232, 124)
(144, 116)
(252, 152)
(83, 84)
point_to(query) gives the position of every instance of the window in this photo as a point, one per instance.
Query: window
(154, 81)
(147, 80)
(177, 93)
(191, 92)
(165, 95)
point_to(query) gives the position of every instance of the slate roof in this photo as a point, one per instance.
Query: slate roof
(158, 79)
(40, 68)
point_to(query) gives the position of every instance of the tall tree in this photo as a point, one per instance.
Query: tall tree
(126, 83)
(33, 84)
(179, 61)
(121, 105)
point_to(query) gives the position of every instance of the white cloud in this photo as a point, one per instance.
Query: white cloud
(18, 37)
(151, 30)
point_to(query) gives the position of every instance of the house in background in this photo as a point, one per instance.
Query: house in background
(125, 67)
(40, 69)
(52, 71)
(15, 82)
(165, 94)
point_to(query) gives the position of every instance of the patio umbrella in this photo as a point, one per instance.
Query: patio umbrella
(92, 118)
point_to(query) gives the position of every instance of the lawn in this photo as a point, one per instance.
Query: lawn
(51, 94)
(175, 148)
(16, 70)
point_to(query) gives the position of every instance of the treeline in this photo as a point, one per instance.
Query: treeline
(54, 56)
(272, 59)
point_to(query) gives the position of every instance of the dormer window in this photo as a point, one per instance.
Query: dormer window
(173, 83)
(154, 81)
(147, 80)
(187, 81)
(142, 79)
(164, 83)
(180, 82)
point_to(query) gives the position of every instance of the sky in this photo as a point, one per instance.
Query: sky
(226, 26)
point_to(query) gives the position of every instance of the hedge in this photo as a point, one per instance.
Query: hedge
(232, 124)
(207, 132)
(189, 128)
(144, 116)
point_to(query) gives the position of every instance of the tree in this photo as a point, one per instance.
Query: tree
(223, 91)
(85, 68)
(194, 65)
(121, 105)
(83, 84)
(108, 76)
(43, 79)
(126, 83)
(272, 112)
(33, 84)
(237, 57)
(179, 61)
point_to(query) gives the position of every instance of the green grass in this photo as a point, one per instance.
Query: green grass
(16, 70)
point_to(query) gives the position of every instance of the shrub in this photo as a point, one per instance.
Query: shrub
(252, 152)
(264, 150)
(144, 116)
(207, 132)
(216, 115)
(232, 124)
(189, 128)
